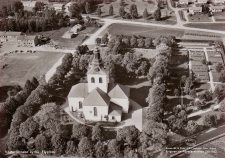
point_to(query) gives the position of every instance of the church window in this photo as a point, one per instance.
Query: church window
(100, 80)
(95, 111)
(92, 80)
(80, 105)
(113, 117)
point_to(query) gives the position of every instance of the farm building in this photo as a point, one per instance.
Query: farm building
(27, 41)
(58, 7)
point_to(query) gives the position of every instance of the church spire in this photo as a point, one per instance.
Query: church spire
(97, 59)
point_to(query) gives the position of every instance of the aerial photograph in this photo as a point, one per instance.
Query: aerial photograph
(112, 78)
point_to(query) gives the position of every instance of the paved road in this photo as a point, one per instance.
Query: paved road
(203, 111)
(91, 40)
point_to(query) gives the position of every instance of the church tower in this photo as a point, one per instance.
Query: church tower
(96, 74)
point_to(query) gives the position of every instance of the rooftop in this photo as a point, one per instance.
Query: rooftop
(26, 37)
(79, 90)
(97, 98)
(118, 91)
(115, 110)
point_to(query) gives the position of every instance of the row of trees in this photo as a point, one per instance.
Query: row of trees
(133, 14)
(15, 100)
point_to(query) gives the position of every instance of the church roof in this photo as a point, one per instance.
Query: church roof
(115, 110)
(118, 91)
(79, 90)
(97, 97)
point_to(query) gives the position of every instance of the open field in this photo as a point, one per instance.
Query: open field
(146, 31)
(214, 26)
(199, 18)
(21, 67)
(219, 16)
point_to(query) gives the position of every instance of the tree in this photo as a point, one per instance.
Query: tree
(17, 6)
(157, 14)
(48, 117)
(97, 133)
(133, 11)
(121, 11)
(29, 128)
(100, 150)
(114, 147)
(222, 105)
(34, 82)
(87, 7)
(28, 87)
(38, 6)
(128, 134)
(71, 147)
(105, 39)
(145, 13)
(141, 43)
(98, 41)
(222, 76)
(154, 134)
(80, 131)
(40, 143)
(85, 147)
(133, 41)
(205, 8)
(219, 67)
(210, 120)
(191, 127)
(75, 10)
(59, 144)
(148, 43)
(99, 12)
(110, 10)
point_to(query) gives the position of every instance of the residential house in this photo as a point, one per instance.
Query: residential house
(9, 36)
(58, 7)
(29, 3)
(76, 28)
(183, 1)
(98, 99)
(202, 1)
(27, 41)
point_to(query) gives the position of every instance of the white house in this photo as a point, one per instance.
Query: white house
(193, 10)
(218, 1)
(76, 28)
(202, 1)
(10, 36)
(58, 7)
(216, 9)
(98, 99)
(29, 3)
(183, 1)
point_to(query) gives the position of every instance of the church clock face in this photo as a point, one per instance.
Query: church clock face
(97, 69)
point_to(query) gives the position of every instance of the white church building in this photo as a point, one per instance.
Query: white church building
(98, 99)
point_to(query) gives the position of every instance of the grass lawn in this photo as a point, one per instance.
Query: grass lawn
(141, 5)
(146, 31)
(219, 16)
(24, 66)
(215, 76)
(198, 17)
(213, 26)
